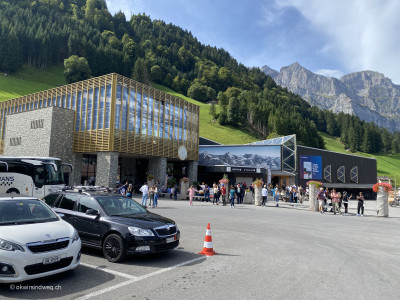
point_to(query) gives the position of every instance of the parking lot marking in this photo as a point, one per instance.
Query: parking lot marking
(109, 271)
(114, 287)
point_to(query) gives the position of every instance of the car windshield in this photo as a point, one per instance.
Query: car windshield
(25, 211)
(120, 206)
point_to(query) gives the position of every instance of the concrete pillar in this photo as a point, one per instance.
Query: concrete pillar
(192, 170)
(158, 168)
(382, 203)
(313, 191)
(75, 176)
(107, 169)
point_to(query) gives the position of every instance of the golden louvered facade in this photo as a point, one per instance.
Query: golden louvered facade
(117, 114)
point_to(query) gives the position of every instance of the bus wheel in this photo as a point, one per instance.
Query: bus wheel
(15, 191)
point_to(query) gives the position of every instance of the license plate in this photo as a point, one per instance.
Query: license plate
(51, 260)
(171, 239)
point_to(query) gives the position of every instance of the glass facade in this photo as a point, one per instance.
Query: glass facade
(115, 113)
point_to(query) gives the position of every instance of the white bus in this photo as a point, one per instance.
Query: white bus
(32, 176)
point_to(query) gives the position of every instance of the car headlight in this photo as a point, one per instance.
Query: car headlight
(140, 231)
(8, 246)
(75, 236)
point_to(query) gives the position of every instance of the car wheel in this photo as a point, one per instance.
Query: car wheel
(114, 248)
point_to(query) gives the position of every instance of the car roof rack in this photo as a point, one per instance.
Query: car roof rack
(85, 188)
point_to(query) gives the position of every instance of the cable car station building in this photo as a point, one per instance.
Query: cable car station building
(109, 128)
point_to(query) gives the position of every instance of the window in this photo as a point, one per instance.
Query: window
(101, 109)
(83, 115)
(86, 203)
(118, 107)
(138, 111)
(89, 110)
(95, 108)
(328, 173)
(132, 110)
(124, 117)
(354, 174)
(68, 202)
(108, 107)
(341, 173)
(50, 199)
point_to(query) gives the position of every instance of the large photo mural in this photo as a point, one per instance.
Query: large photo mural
(268, 157)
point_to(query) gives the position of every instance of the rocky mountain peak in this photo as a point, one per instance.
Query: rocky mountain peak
(368, 94)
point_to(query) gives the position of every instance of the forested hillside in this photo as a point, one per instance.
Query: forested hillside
(46, 32)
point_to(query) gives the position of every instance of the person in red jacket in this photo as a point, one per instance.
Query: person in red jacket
(223, 194)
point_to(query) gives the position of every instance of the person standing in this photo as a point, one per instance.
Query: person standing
(191, 191)
(276, 195)
(216, 191)
(145, 191)
(176, 192)
(156, 194)
(335, 196)
(321, 200)
(129, 191)
(360, 204)
(223, 194)
(264, 194)
(346, 203)
(151, 196)
(206, 193)
(232, 194)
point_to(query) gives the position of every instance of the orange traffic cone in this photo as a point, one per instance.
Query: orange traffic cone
(208, 245)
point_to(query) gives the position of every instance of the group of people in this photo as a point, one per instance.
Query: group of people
(150, 194)
(219, 192)
(337, 199)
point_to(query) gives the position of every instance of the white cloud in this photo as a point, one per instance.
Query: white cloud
(362, 34)
(330, 73)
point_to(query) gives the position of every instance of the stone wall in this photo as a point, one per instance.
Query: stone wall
(107, 169)
(192, 170)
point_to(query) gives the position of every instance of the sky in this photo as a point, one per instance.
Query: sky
(332, 38)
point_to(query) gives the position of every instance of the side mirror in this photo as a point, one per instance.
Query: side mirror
(92, 212)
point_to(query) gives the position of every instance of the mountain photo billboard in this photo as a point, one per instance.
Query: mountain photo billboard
(267, 157)
(310, 167)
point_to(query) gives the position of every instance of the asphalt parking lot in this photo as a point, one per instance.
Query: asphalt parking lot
(263, 252)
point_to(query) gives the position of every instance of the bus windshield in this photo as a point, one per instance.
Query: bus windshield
(54, 176)
(48, 174)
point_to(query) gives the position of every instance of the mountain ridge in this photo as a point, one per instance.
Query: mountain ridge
(370, 95)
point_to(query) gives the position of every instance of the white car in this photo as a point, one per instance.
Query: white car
(34, 241)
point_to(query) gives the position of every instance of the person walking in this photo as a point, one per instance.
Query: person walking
(191, 191)
(335, 196)
(360, 204)
(321, 200)
(223, 194)
(145, 191)
(264, 194)
(232, 194)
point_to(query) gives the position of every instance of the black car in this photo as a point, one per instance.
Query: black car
(116, 224)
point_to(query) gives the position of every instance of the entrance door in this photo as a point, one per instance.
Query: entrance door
(247, 180)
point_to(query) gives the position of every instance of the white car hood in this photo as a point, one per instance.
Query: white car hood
(39, 232)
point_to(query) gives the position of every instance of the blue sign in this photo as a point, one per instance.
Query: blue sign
(310, 167)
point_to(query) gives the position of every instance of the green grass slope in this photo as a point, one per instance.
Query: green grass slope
(29, 80)
(388, 164)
